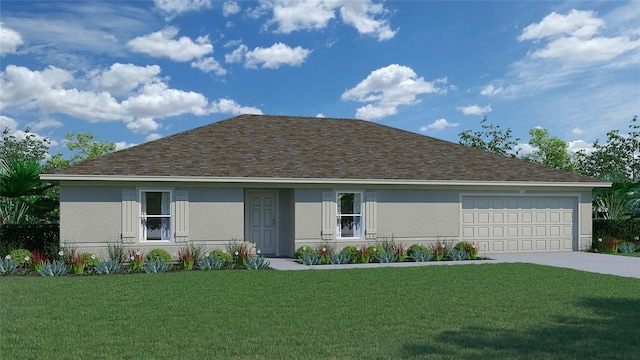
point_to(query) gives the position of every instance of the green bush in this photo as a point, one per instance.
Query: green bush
(19, 254)
(416, 247)
(222, 255)
(469, 248)
(304, 250)
(374, 250)
(626, 229)
(44, 237)
(160, 254)
(90, 260)
(351, 252)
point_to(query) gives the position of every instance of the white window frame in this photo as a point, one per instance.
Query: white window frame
(361, 214)
(143, 230)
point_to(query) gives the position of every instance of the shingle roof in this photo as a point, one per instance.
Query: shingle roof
(260, 146)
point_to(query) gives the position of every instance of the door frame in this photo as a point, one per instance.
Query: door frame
(247, 216)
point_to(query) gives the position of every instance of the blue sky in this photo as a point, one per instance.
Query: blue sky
(136, 71)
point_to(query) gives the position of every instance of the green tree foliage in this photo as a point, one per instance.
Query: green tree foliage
(30, 148)
(23, 196)
(619, 156)
(491, 138)
(550, 151)
(85, 146)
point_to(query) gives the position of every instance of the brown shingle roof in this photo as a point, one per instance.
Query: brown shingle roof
(260, 146)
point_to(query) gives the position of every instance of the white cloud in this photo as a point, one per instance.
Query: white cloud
(209, 64)
(571, 37)
(123, 78)
(8, 123)
(361, 15)
(438, 125)
(232, 43)
(45, 124)
(320, 115)
(236, 55)
(123, 145)
(9, 40)
(228, 106)
(582, 24)
(230, 8)
(525, 149)
(143, 125)
(275, 56)
(176, 7)
(580, 145)
(154, 136)
(162, 44)
(577, 131)
(294, 15)
(45, 91)
(474, 109)
(387, 88)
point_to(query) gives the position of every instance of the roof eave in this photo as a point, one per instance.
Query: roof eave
(262, 180)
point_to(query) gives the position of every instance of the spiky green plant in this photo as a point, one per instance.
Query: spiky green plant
(155, 266)
(8, 265)
(257, 263)
(422, 255)
(53, 268)
(386, 257)
(210, 263)
(339, 258)
(310, 259)
(108, 267)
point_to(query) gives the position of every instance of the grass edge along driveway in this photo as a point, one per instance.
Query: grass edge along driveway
(489, 311)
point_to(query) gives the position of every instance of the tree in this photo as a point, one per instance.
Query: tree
(550, 151)
(492, 139)
(23, 196)
(86, 147)
(619, 155)
(29, 148)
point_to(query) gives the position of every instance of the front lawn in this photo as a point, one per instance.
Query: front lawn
(634, 254)
(490, 311)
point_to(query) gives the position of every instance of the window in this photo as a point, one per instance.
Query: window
(349, 215)
(155, 215)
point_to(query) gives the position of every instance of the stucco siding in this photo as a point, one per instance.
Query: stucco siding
(308, 210)
(90, 215)
(417, 214)
(216, 214)
(585, 220)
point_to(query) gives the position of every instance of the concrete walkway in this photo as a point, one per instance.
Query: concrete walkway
(596, 263)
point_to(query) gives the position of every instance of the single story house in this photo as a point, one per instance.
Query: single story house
(282, 182)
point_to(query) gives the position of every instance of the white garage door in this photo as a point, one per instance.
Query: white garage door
(519, 224)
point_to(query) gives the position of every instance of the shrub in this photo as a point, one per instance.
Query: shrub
(54, 268)
(627, 247)
(624, 229)
(8, 265)
(401, 252)
(610, 245)
(373, 252)
(257, 263)
(44, 237)
(160, 254)
(241, 251)
(76, 263)
(439, 251)
(469, 247)
(351, 252)
(303, 250)
(324, 251)
(186, 258)
(136, 261)
(91, 261)
(386, 256)
(37, 260)
(116, 252)
(364, 255)
(458, 254)
(416, 247)
(197, 250)
(222, 255)
(108, 267)
(422, 255)
(155, 266)
(210, 263)
(310, 259)
(387, 244)
(339, 258)
(20, 256)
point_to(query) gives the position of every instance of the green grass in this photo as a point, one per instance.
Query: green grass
(491, 311)
(634, 254)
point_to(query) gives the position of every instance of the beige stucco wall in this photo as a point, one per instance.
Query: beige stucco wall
(585, 222)
(308, 210)
(216, 214)
(418, 214)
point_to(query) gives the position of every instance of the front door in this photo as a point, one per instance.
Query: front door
(262, 217)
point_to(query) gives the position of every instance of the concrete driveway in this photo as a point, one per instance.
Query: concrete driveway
(578, 260)
(597, 263)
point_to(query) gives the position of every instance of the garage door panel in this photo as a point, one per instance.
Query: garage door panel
(519, 223)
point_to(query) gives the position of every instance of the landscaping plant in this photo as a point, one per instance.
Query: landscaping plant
(257, 263)
(8, 265)
(610, 245)
(160, 254)
(303, 250)
(351, 252)
(136, 261)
